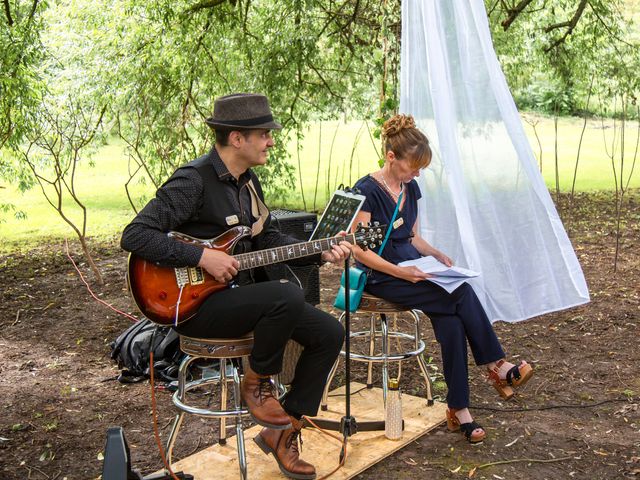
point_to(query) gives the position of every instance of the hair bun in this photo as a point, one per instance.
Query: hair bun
(396, 124)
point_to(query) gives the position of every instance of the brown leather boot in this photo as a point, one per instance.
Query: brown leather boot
(257, 393)
(283, 444)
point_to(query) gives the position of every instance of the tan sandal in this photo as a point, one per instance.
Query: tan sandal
(517, 376)
(468, 429)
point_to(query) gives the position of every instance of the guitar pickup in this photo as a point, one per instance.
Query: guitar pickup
(196, 276)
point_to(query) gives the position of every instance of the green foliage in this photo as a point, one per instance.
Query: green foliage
(20, 84)
(9, 207)
(157, 66)
(557, 54)
(547, 97)
(73, 72)
(310, 60)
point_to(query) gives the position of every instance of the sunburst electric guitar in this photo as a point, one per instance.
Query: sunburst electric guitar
(170, 296)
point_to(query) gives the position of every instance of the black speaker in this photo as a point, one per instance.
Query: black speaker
(299, 225)
(117, 461)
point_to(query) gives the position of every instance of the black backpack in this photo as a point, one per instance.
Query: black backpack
(131, 351)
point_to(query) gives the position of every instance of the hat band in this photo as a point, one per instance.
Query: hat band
(248, 121)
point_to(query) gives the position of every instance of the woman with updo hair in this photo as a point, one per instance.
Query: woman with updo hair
(457, 317)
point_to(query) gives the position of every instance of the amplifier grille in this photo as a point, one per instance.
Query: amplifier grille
(299, 225)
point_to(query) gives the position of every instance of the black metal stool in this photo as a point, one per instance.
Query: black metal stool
(224, 350)
(379, 308)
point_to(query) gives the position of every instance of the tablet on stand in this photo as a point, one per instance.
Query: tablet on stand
(338, 215)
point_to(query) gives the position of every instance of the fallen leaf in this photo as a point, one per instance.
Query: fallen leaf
(411, 461)
(472, 472)
(601, 452)
(456, 470)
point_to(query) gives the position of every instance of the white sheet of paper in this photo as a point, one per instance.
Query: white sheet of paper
(448, 278)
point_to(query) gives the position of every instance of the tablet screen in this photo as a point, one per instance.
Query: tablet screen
(338, 214)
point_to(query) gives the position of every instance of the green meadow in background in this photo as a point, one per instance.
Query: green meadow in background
(331, 153)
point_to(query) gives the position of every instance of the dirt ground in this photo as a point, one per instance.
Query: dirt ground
(578, 418)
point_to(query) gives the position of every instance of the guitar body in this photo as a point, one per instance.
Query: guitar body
(160, 292)
(156, 289)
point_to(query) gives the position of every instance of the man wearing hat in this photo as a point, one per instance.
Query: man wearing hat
(205, 198)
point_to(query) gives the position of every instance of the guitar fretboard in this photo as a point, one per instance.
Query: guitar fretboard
(289, 252)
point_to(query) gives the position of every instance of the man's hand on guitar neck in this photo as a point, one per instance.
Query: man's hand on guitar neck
(221, 266)
(338, 252)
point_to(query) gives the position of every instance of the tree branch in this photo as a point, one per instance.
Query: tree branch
(527, 460)
(7, 12)
(33, 9)
(571, 24)
(490, 11)
(608, 28)
(514, 13)
(324, 82)
(204, 4)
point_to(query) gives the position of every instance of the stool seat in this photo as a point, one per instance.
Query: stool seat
(371, 303)
(217, 347)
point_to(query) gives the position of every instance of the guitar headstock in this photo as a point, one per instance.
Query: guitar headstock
(369, 235)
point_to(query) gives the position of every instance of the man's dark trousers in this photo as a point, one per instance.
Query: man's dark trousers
(275, 312)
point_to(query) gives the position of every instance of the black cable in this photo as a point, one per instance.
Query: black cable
(550, 407)
(343, 394)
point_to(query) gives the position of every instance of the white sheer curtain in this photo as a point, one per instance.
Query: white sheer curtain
(484, 201)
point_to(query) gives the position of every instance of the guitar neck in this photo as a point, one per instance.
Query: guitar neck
(270, 256)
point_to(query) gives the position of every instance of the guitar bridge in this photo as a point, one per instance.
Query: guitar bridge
(182, 276)
(189, 275)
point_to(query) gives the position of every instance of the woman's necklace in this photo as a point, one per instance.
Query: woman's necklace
(396, 195)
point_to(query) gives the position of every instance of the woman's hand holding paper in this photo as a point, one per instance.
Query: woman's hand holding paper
(412, 274)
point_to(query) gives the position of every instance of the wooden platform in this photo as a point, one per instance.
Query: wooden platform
(364, 449)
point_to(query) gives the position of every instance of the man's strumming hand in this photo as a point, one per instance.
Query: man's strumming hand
(223, 267)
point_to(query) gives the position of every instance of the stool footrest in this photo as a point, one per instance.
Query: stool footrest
(203, 412)
(391, 357)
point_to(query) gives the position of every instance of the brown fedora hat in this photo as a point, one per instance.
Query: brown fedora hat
(242, 111)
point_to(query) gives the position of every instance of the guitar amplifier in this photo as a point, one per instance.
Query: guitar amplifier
(299, 225)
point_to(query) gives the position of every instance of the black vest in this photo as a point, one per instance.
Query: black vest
(220, 200)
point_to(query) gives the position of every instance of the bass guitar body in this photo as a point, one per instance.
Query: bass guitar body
(170, 296)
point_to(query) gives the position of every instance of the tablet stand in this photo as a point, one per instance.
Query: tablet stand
(348, 425)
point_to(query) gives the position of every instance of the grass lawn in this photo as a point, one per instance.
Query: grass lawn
(595, 170)
(337, 146)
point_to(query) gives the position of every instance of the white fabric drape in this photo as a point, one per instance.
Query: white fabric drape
(484, 201)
